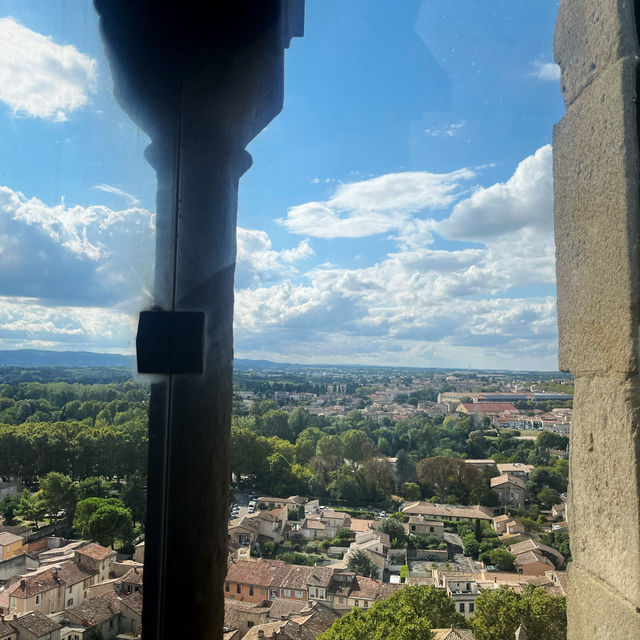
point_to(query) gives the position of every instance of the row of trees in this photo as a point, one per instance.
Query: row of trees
(412, 612)
(32, 450)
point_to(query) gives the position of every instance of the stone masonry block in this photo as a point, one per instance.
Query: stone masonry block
(595, 611)
(595, 169)
(605, 480)
(590, 36)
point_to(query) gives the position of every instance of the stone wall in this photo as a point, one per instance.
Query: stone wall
(596, 189)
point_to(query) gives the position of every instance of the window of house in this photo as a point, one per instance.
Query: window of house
(250, 590)
(287, 593)
(341, 600)
(237, 588)
(226, 586)
(471, 607)
(250, 624)
(462, 607)
(262, 592)
(37, 599)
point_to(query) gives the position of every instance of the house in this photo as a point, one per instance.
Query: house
(36, 626)
(559, 510)
(418, 525)
(533, 563)
(517, 469)
(131, 614)
(348, 590)
(96, 558)
(130, 582)
(318, 584)
(462, 589)
(249, 580)
(511, 490)
(325, 524)
(290, 582)
(138, 555)
(10, 545)
(48, 589)
(242, 616)
(100, 615)
(533, 546)
(447, 512)
(7, 632)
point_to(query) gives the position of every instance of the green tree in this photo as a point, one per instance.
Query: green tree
(500, 558)
(499, 613)
(134, 496)
(547, 497)
(93, 487)
(353, 439)
(8, 507)
(32, 507)
(409, 614)
(59, 493)
(410, 491)
(393, 529)
(109, 523)
(361, 562)
(448, 475)
(85, 510)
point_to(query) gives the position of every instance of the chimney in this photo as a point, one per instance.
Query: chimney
(260, 633)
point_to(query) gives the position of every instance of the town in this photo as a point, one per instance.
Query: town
(352, 490)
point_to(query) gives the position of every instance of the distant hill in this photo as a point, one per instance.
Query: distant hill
(41, 358)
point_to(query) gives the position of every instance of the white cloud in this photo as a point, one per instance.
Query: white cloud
(74, 254)
(107, 188)
(40, 78)
(257, 262)
(27, 323)
(523, 204)
(419, 304)
(451, 130)
(378, 205)
(546, 71)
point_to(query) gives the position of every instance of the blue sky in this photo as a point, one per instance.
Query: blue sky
(398, 211)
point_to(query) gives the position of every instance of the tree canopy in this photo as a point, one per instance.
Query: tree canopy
(409, 614)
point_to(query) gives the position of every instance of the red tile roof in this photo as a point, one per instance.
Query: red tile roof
(96, 551)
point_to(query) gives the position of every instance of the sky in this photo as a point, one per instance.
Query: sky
(398, 210)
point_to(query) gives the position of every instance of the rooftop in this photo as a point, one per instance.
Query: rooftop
(97, 609)
(36, 623)
(96, 551)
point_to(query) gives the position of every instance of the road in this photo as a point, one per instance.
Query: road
(456, 556)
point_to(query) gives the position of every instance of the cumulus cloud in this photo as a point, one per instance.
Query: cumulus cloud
(258, 262)
(40, 78)
(420, 304)
(74, 254)
(545, 71)
(28, 323)
(378, 205)
(524, 202)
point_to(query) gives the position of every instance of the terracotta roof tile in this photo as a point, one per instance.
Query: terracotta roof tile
(97, 609)
(36, 623)
(96, 551)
